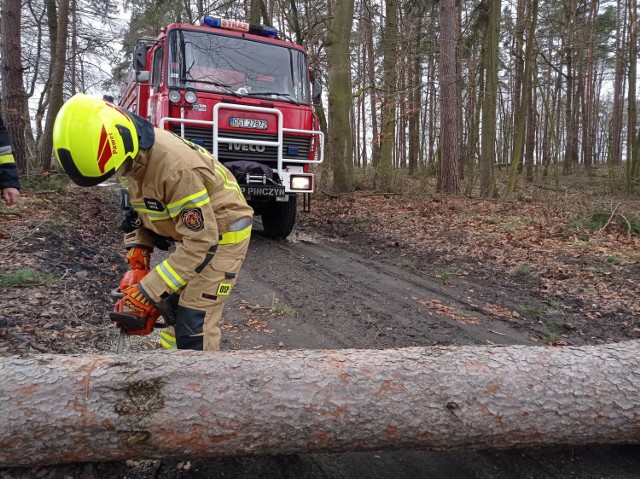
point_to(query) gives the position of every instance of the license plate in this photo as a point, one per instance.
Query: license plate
(262, 190)
(248, 123)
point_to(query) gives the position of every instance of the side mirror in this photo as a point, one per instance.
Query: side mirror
(140, 56)
(142, 76)
(316, 91)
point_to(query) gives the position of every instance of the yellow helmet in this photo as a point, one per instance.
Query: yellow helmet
(92, 138)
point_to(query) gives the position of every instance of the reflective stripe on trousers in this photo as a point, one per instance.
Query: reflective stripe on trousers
(191, 297)
(167, 340)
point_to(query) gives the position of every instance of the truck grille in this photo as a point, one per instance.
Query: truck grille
(293, 146)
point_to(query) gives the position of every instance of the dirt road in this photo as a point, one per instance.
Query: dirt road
(328, 296)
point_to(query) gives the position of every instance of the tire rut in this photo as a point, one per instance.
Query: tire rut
(346, 300)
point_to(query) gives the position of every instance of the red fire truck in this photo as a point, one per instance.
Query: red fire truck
(245, 95)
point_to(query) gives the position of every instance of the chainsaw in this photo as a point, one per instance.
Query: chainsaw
(132, 325)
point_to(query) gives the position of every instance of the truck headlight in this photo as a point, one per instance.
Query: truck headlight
(301, 182)
(174, 96)
(190, 96)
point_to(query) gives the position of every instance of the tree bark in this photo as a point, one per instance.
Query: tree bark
(340, 142)
(63, 409)
(255, 11)
(490, 100)
(13, 91)
(415, 94)
(518, 65)
(371, 77)
(56, 95)
(525, 104)
(571, 119)
(589, 133)
(389, 98)
(632, 109)
(449, 127)
(615, 158)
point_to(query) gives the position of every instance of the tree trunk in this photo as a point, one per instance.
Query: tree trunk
(73, 54)
(547, 120)
(490, 100)
(255, 11)
(415, 100)
(415, 94)
(432, 109)
(518, 75)
(459, 87)
(615, 158)
(293, 18)
(571, 150)
(589, 127)
(13, 90)
(531, 127)
(384, 170)
(632, 110)
(449, 126)
(340, 143)
(56, 98)
(523, 107)
(371, 77)
(63, 409)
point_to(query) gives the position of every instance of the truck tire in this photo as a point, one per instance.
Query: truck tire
(278, 218)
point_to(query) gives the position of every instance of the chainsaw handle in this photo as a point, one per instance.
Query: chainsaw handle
(166, 317)
(130, 323)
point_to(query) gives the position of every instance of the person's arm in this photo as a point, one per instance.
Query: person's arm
(140, 237)
(9, 177)
(190, 209)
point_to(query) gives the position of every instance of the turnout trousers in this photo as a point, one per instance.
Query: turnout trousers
(202, 300)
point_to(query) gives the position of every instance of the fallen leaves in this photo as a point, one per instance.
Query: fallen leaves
(53, 235)
(501, 312)
(259, 325)
(569, 264)
(447, 311)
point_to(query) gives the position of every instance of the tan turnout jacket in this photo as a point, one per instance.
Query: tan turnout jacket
(180, 191)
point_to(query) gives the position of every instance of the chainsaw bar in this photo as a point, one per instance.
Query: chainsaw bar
(121, 337)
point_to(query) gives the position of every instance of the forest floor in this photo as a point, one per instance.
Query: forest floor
(553, 265)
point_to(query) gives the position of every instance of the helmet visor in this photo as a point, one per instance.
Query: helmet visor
(68, 165)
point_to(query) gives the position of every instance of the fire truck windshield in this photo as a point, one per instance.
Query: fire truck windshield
(219, 63)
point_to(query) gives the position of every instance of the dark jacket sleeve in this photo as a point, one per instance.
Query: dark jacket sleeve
(9, 177)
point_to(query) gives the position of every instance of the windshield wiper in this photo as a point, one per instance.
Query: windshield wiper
(287, 96)
(226, 88)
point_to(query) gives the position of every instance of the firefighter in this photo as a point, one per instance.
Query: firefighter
(9, 178)
(178, 191)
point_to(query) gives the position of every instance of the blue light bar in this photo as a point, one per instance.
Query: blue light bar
(213, 22)
(264, 31)
(218, 22)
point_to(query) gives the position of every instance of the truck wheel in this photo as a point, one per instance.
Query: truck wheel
(278, 218)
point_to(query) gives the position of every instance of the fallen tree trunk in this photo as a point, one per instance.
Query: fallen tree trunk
(61, 409)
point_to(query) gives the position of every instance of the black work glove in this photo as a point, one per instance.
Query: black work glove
(131, 221)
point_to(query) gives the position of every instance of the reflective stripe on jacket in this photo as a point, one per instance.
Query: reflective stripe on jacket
(9, 177)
